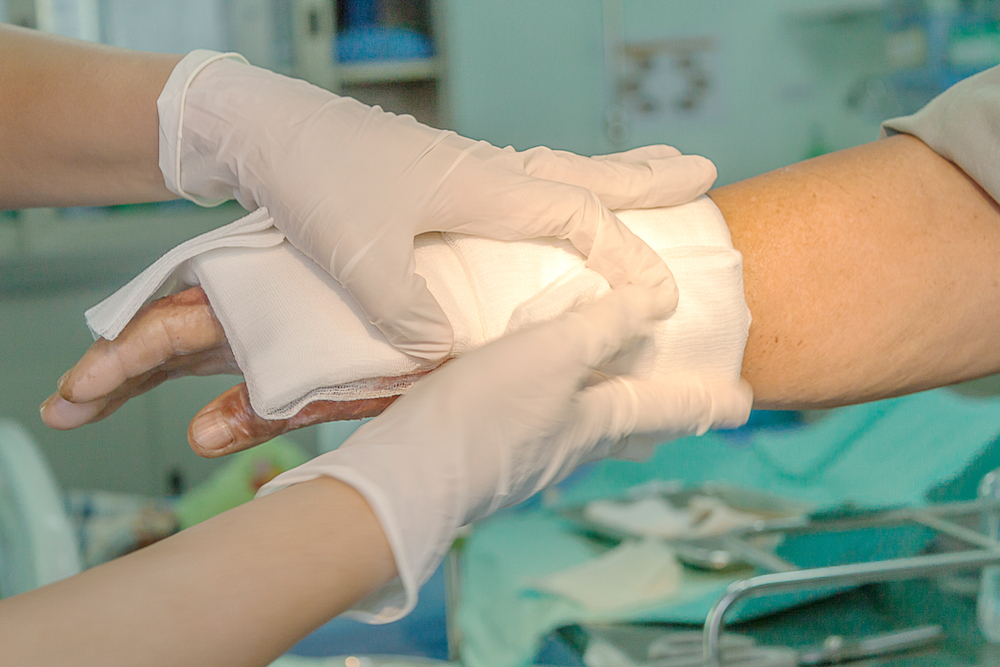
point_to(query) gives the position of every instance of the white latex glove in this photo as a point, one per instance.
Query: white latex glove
(493, 427)
(351, 185)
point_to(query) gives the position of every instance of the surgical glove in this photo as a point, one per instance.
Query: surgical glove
(493, 427)
(352, 185)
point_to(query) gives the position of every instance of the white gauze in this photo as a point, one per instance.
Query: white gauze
(299, 337)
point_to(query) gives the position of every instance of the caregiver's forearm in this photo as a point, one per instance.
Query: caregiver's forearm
(238, 589)
(870, 272)
(79, 124)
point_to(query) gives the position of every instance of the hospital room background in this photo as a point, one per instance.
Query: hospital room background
(752, 84)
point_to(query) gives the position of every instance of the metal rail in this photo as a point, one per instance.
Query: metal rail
(781, 579)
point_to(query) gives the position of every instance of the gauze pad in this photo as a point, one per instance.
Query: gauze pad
(299, 337)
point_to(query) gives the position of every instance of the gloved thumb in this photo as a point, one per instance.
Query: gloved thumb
(598, 331)
(394, 298)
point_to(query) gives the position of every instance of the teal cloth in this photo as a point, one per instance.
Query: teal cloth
(875, 455)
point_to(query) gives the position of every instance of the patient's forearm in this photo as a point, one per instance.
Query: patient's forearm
(870, 272)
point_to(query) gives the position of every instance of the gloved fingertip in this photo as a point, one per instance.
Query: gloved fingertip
(708, 168)
(426, 340)
(734, 406)
(658, 301)
(428, 351)
(665, 298)
(411, 319)
(645, 305)
(655, 150)
(659, 287)
(642, 153)
(623, 258)
(693, 172)
(677, 180)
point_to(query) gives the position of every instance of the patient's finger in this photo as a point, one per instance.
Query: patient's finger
(228, 424)
(177, 334)
(58, 413)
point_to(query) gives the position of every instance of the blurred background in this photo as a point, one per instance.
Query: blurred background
(754, 85)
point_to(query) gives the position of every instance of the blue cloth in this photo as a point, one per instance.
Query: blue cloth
(423, 633)
(876, 455)
(375, 43)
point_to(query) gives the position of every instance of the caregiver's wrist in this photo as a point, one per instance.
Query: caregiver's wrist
(367, 548)
(191, 166)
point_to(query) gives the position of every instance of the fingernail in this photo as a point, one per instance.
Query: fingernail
(211, 431)
(62, 380)
(59, 413)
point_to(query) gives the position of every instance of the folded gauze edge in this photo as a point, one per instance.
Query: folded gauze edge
(299, 337)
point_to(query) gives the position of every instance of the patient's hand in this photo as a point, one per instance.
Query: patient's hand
(170, 338)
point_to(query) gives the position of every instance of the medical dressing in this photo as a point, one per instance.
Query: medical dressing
(299, 337)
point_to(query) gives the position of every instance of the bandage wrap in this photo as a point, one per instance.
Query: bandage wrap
(299, 337)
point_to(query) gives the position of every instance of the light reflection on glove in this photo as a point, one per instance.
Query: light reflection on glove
(493, 427)
(351, 185)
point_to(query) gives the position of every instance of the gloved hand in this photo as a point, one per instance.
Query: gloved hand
(351, 185)
(493, 427)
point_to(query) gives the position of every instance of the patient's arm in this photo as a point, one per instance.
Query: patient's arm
(870, 272)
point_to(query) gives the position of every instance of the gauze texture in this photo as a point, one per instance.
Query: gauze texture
(299, 337)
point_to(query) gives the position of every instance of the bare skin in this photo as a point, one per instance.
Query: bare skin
(85, 131)
(870, 273)
(238, 589)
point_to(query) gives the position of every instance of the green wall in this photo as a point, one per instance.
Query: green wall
(532, 73)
